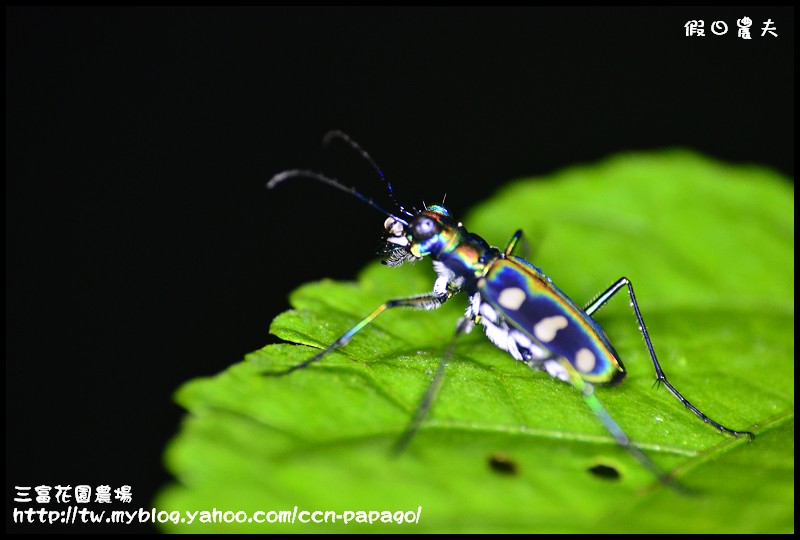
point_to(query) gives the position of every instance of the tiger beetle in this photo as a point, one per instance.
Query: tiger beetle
(522, 311)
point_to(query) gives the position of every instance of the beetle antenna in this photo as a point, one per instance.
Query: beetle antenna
(299, 173)
(336, 134)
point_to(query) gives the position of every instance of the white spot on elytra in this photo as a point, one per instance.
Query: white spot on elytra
(585, 360)
(546, 329)
(511, 298)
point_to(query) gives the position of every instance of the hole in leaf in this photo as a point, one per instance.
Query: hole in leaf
(502, 464)
(605, 471)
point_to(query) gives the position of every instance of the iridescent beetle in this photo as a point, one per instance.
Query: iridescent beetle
(520, 308)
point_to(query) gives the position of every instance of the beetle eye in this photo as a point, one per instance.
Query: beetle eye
(424, 228)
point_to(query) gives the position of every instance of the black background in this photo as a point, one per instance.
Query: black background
(142, 249)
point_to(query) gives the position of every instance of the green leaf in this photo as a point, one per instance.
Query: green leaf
(709, 248)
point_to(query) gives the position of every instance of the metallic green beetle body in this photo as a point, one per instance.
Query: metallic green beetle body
(522, 311)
